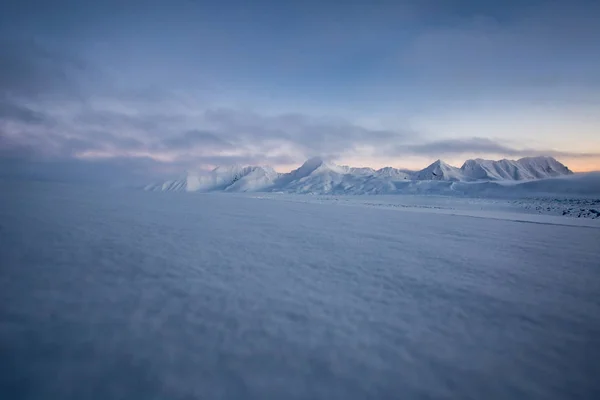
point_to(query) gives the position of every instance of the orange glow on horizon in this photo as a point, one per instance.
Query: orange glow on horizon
(418, 163)
(583, 165)
(575, 164)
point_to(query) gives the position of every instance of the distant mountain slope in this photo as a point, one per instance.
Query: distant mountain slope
(544, 167)
(316, 176)
(233, 178)
(319, 176)
(253, 179)
(439, 171)
(186, 183)
(523, 169)
(394, 173)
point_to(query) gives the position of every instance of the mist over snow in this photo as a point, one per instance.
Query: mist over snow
(126, 294)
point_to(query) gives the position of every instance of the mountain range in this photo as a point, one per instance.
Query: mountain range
(318, 176)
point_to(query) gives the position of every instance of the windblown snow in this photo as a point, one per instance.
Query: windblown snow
(234, 178)
(126, 294)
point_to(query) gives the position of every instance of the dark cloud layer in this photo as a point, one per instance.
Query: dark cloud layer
(10, 110)
(31, 68)
(114, 172)
(210, 134)
(93, 82)
(478, 146)
(195, 138)
(307, 134)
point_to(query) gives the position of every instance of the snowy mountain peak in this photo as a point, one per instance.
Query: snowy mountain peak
(318, 162)
(228, 178)
(316, 175)
(538, 158)
(313, 162)
(523, 169)
(313, 165)
(227, 169)
(544, 167)
(439, 171)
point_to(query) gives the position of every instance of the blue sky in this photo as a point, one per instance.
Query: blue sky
(157, 87)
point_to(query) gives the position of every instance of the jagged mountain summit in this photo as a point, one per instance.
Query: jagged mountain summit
(439, 171)
(524, 169)
(319, 176)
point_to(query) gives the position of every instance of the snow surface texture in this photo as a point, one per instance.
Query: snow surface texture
(318, 176)
(580, 208)
(134, 295)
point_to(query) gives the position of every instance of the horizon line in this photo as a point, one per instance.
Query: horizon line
(325, 159)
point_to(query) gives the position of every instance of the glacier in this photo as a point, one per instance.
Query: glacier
(318, 176)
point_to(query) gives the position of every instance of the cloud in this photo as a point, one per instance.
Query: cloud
(115, 171)
(46, 114)
(176, 140)
(56, 106)
(30, 68)
(306, 134)
(194, 138)
(242, 159)
(547, 45)
(15, 111)
(216, 135)
(477, 146)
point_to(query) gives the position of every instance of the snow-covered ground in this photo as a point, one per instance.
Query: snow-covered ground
(545, 209)
(579, 208)
(108, 294)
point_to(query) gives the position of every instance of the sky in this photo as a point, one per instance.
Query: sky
(112, 89)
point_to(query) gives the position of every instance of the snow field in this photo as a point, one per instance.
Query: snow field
(130, 294)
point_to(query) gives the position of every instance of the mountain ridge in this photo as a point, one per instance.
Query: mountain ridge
(317, 175)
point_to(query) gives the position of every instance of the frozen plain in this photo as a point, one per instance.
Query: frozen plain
(116, 294)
